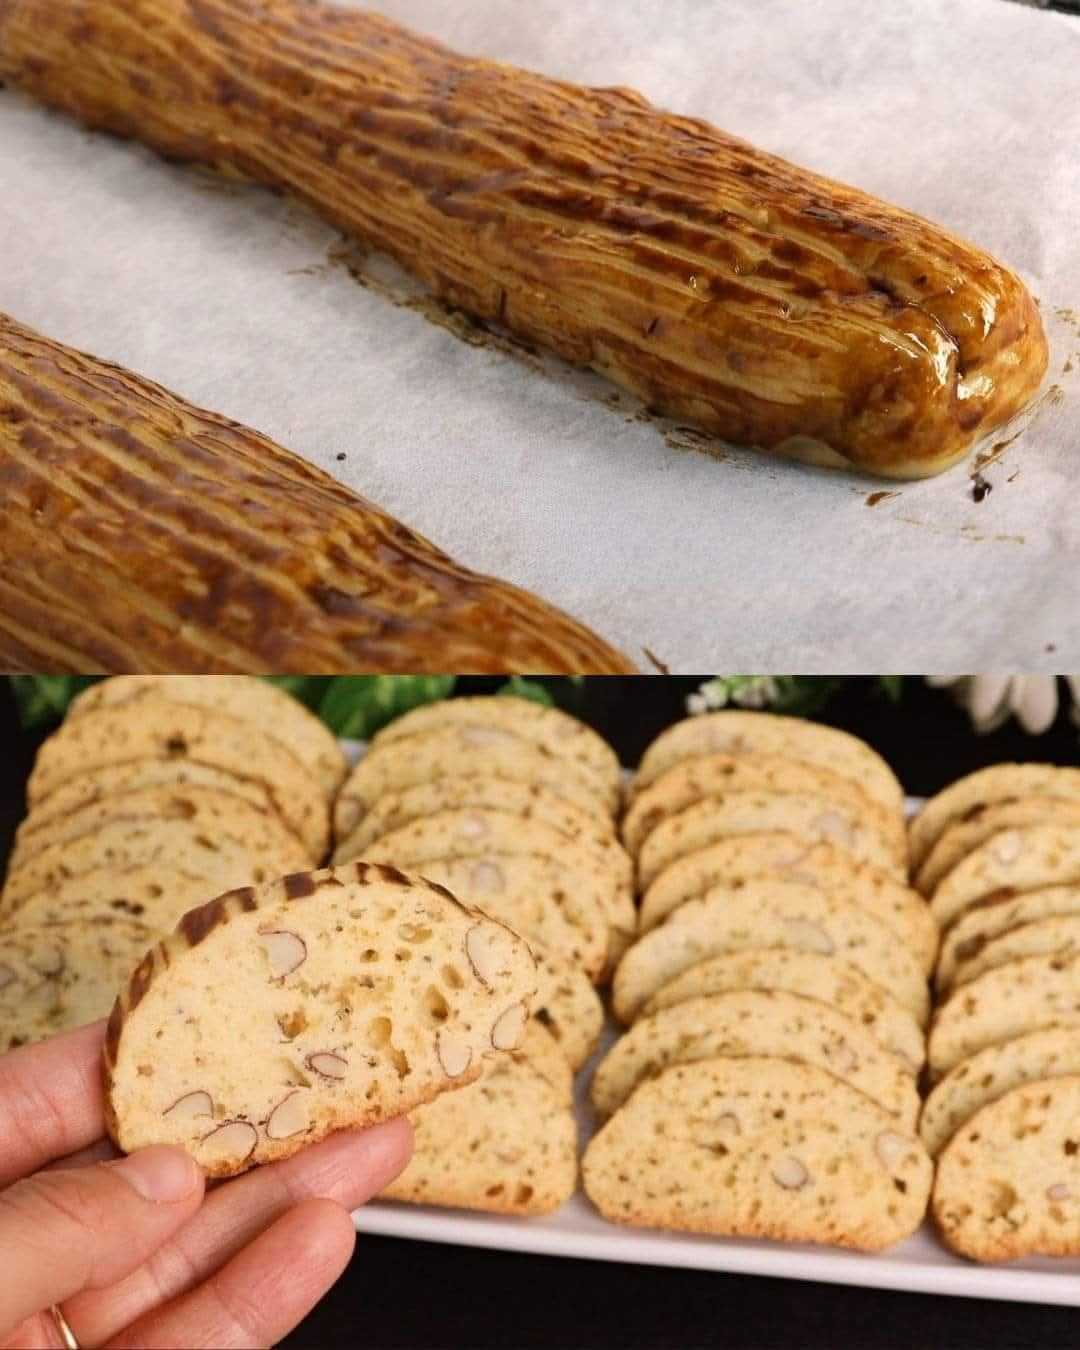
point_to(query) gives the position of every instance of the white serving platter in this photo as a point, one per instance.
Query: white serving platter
(920, 1265)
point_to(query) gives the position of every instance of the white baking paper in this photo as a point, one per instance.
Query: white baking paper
(967, 111)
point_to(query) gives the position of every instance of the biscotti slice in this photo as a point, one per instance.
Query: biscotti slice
(54, 977)
(1050, 1053)
(828, 979)
(1006, 864)
(247, 842)
(768, 913)
(211, 808)
(270, 710)
(964, 836)
(694, 780)
(275, 1015)
(157, 894)
(506, 1145)
(1008, 1182)
(566, 1005)
(1045, 937)
(755, 1022)
(990, 919)
(157, 729)
(734, 862)
(528, 893)
(759, 733)
(964, 799)
(454, 753)
(479, 832)
(1025, 995)
(732, 814)
(117, 779)
(554, 732)
(759, 1147)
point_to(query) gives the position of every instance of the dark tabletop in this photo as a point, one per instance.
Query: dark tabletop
(420, 1294)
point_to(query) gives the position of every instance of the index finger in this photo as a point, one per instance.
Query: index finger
(51, 1100)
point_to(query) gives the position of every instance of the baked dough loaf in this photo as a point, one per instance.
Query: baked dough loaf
(723, 285)
(332, 998)
(272, 565)
(759, 1147)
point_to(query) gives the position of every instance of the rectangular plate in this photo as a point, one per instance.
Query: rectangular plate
(919, 1265)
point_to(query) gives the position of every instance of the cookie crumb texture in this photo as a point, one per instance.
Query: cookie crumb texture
(759, 1147)
(273, 1016)
(1008, 1184)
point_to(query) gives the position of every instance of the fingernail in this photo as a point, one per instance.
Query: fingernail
(163, 1175)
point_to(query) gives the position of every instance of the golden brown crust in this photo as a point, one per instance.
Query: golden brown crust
(723, 285)
(138, 533)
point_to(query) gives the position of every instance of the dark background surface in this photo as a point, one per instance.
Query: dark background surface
(419, 1294)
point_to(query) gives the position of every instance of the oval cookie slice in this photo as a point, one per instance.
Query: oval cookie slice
(566, 1005)
(349, 995)
(963, 836)
(991, 1073)
(694, 780)
(828, 979)
(755, 1022)
(808, 819)
(983, 923)
(1023, 996)
(273, 711)
(1008, 1182)
(556, 733)
(157, 894)
(758, 733)
(55, 977)
(768, 913)
(1045, 937)
(734, 862)
(759, 1147)
(1008, 863)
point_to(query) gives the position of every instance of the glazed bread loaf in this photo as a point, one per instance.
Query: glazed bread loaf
(723, 285)
(140, 533)
(332, 998)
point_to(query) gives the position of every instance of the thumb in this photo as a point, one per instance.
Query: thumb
(64, 1231)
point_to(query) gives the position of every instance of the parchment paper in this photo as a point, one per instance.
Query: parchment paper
(967, 111)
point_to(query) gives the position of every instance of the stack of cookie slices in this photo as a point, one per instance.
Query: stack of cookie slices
(511, 806)
(157, 793)
(776, 996)
(998, 854)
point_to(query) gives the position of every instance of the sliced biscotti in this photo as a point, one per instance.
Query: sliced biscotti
(159, 729)
(963, 836)
(991, 1073)
(1023, 996)
(768, 913)
(554, 732)
(210, 808)
(827, 979)
(759, 1147)
(117, 780)
(694, 780)
(270, 710)
(759, 733)
(54, 977)
(245, 839)
(731, 814)
(566, 1005)
(990, 919)
(755, 1022)
(274, 1015)
(459, 752)
(970, 795)
(1045, 937)
(506, 1144)
(158, 894)
(1010, 862)
(1008, 1182)
(734, 862)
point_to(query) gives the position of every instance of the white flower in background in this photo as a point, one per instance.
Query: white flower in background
(745, 691)
(993, 699)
